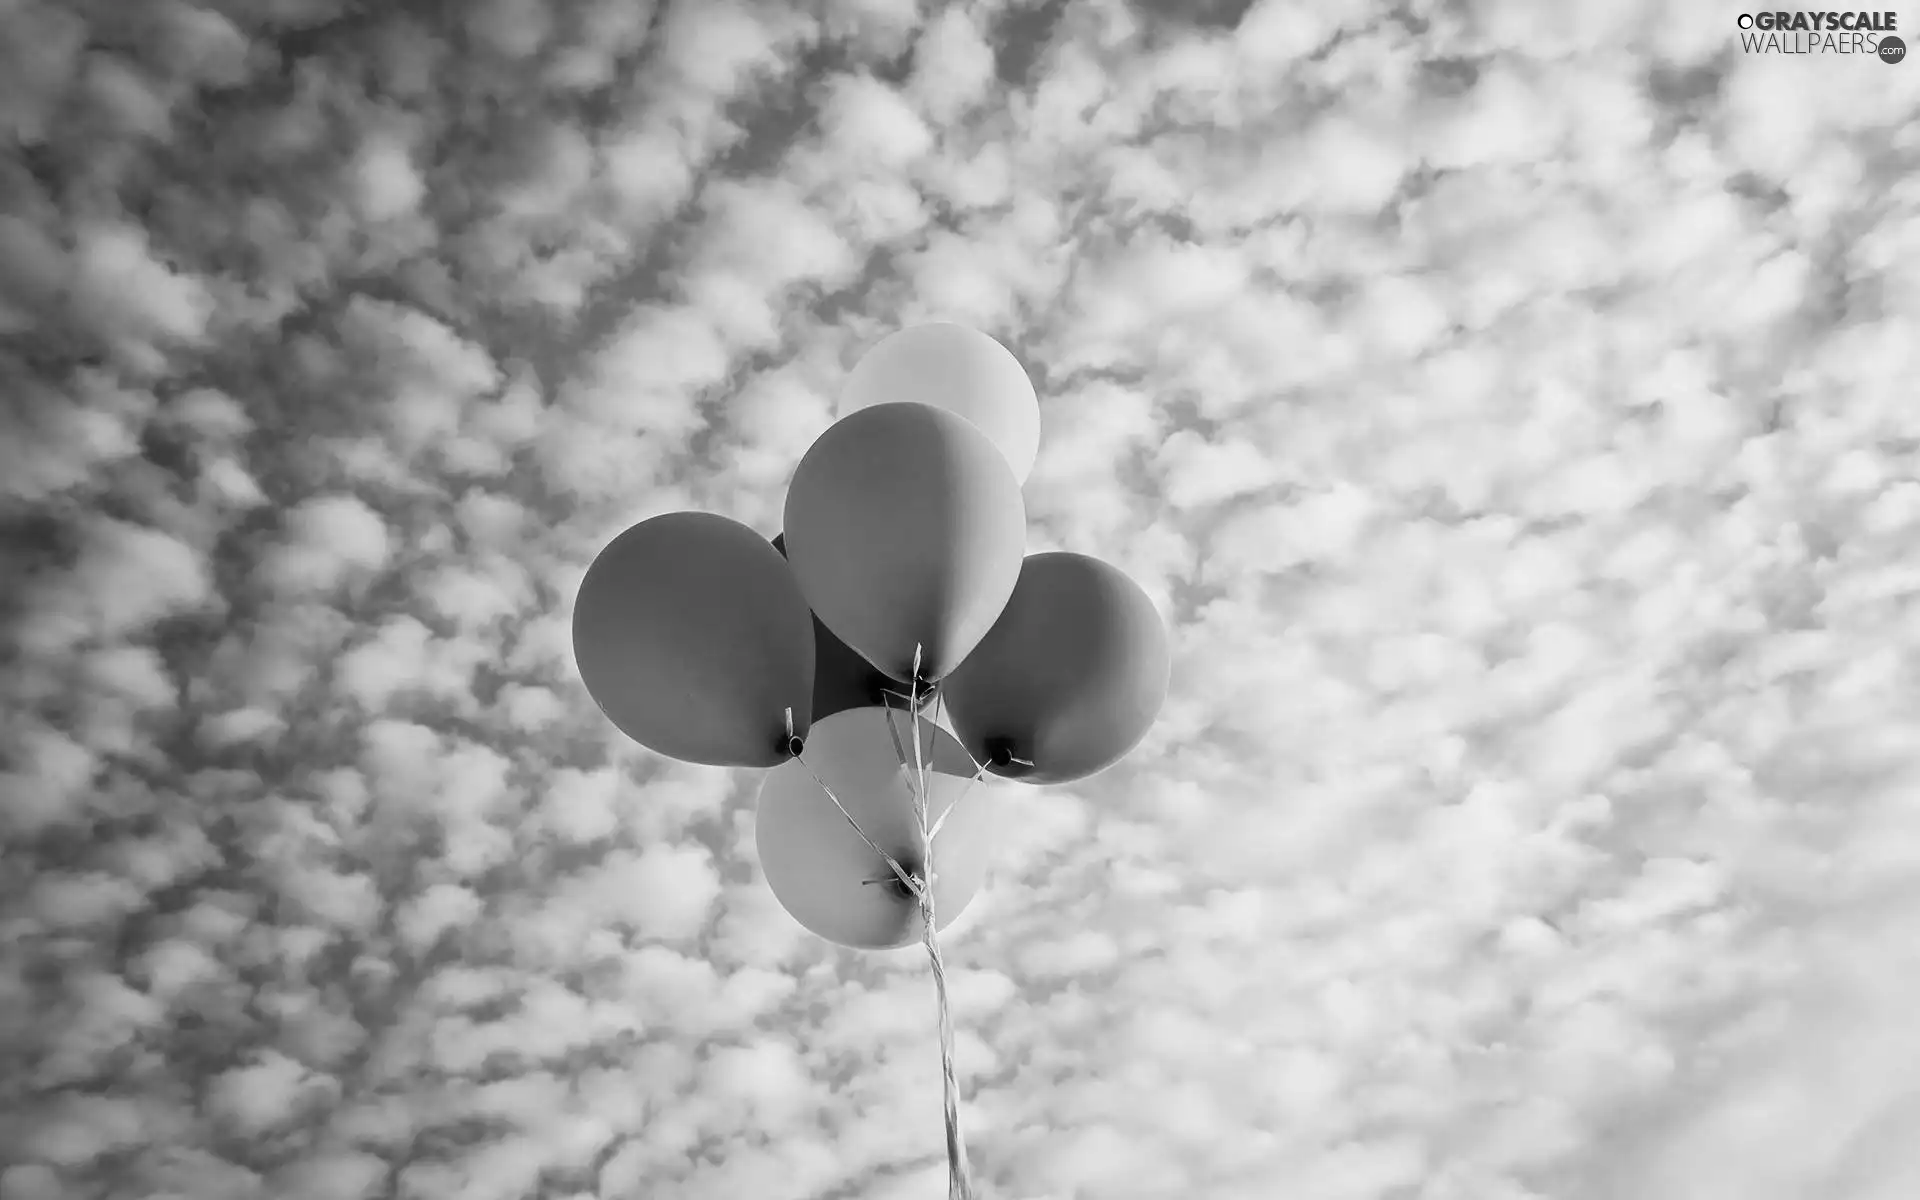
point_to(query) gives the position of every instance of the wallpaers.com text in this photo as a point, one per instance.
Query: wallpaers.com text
(1822, 33)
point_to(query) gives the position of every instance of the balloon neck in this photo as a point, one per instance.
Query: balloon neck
(1003, 761)
(897, 887)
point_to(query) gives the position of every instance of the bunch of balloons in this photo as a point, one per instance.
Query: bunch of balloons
(900, 583)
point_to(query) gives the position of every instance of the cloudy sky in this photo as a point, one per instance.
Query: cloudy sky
(1510, 405)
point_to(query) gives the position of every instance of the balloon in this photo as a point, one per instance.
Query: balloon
(905, 528)
(692, 636)
(818, 866)
(1070, 678)
(842, 679)
(957, 369)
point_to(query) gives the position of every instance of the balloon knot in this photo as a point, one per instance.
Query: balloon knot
(794, 745)
(1000, 753)
(902, 889)
(922, 695)
(917, 878)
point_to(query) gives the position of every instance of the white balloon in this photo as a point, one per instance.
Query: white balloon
(822, 872)
(961, 370)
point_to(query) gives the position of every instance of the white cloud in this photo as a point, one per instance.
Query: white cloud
(32, 269)
(126, 578)
(137, 304)
(87, 1127)
(396, 661)
(589, 58)
(869, 122)
(513, 28)
(666, 891)
(384, 183)
(772, 419)
(581, 806)
(204, 46)
(765, 1078)
(647, 170)
(953, 65)
(125, 96)
(878, 28)
(261, 1095)
(1199, 472)
(340, 1175)
(331, 539)
(754, 246)
(441, 908)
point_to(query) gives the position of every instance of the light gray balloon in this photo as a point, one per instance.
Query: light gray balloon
(818, 867)
(958, 369)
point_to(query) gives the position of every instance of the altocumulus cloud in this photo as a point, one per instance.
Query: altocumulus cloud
(1510, 408)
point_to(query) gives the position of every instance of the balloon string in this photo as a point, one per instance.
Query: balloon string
(905, 877)
(959, 1173)
(919, 762)
(900, 751)
(941, 822)
(979, 773)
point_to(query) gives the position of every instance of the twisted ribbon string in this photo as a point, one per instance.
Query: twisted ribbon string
(920, 887)
(959, 1172)
(913, 715)
(913, 732)
(899, 755)
(979, 773)
(907, 878)
(900, 872)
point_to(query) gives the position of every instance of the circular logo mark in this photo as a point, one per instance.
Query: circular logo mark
(1892, 49)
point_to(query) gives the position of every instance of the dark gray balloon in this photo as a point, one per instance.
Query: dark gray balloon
(842, 679)
(1069, 679)
(905, 528)
(692, 636)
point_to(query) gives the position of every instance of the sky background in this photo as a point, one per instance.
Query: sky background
(1510, 405)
